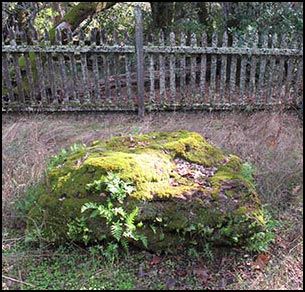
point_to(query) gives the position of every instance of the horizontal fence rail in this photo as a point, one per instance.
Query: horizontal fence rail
(72, 71)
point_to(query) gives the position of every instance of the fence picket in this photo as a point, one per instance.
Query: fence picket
(84, 67)
(213, 70)
(73, 67)
(97, 92)
(262, 70)
(282, 68)
(233, 71)
(117, 98)
(193, 70)
(162, 70)
(272, 73)
(203, 65)
(128, 74)
(7, 77)
(152, 94)
(28, 70)
(62, 68)
(17, 71)
(252, 80)
(223, 73)
(172, 71)
(242, 77)
(182, 69)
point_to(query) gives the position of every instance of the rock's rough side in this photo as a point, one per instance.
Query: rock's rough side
(187, 191)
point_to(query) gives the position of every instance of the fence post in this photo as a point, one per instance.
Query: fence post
(140, 61)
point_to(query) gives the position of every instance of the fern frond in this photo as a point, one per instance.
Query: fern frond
(89, 205)
(116, 230)
(132, 216)
(143, 239)
(124, 243)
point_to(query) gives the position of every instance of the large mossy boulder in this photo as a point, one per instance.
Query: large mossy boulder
(187, 191)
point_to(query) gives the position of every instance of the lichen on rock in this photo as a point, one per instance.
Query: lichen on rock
(187, 191)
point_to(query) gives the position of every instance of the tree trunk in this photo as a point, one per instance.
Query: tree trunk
(203, 14)
(162, 14)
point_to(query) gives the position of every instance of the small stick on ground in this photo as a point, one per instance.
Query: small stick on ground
(17, 281)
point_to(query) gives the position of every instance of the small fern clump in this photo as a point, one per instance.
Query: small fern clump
(121, 223)
(59, 159)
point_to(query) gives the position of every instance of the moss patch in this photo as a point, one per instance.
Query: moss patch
(186, 190)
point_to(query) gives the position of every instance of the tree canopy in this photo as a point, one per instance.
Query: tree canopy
(241, 17)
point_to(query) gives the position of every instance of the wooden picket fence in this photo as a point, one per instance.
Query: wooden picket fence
(152, 72)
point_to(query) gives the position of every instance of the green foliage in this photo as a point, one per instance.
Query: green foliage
(208, 252)
(26, 201)
(77, 227)
(117, 188)
(60, 158)
(45, 18)
(247, 171)
(259, 242)
(120, 19)
(270, 17)
(121, 223)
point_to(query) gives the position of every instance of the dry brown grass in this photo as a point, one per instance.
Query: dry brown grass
(272, 141)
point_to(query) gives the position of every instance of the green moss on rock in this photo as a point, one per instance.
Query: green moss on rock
(186, 190)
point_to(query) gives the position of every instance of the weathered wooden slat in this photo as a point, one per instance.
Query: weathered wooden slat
(281, 68)
(106, 78)
(262, 69)
(18, 77)
(162, 70)
(128, 80)
(289, 86)
(7, 77)
(97, 91)
(213, 70)
(193, 72)
(62, 70)
(298, 83)
(40, 80)
(52, 77)
(272, 78)
(49, 70)
(128, 68)
(172, 70)
(28, 70)
(84, 67)
(203, 65)
(223, 72)
(182, 69)
(252, 80)
(117, 71)
(233, 71)
(152, 94)
(41, 76)
(288, 80)
(73, 69)
(242, 76)
(298, 86)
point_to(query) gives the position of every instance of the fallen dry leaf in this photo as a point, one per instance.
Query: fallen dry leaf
(261, 261)
(155, 260)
